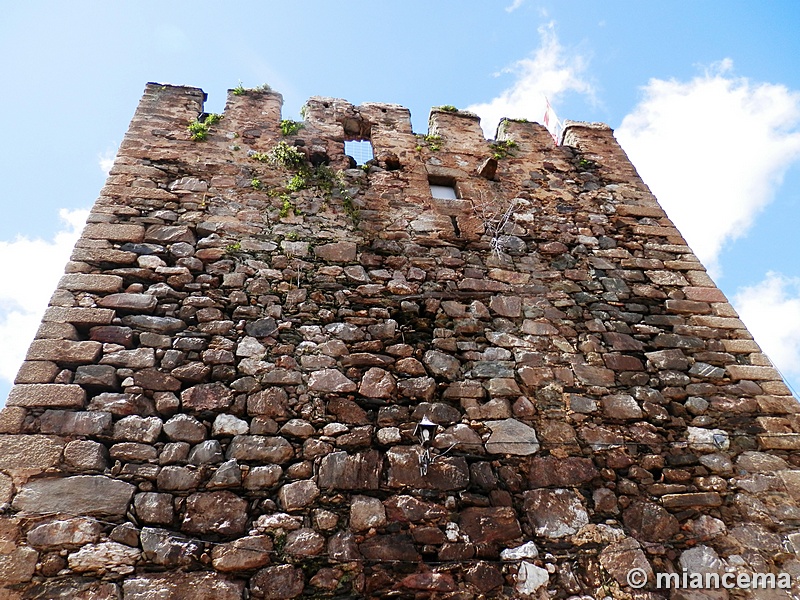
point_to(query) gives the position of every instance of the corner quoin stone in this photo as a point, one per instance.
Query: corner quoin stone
(47, 394)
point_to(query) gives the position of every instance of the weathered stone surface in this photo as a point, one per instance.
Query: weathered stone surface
(244, 554)
(331, 381)
(164, 325)
(170, 549)
(304, 542)
(263, 477)
(442, 364)
(489, 525)
(94, 495)
(366, 512)
(207, 396)
(104, 557)
(86, 455)
(299, 494)
(176, 478)
(81, 587)
(137, 358)
(555, 513)
(138, 429)
(530, 578)
(280, 582)
(47, 394)
(185, 428)
(389, 548)
(336, 252)
(154, 509)
(377, 383)
(445, 473)
(361, 471)
(182, 586)
(68, 533)
(623, 556)
(18, 565)
(621, 406)
(560, 472)
(648, 522)
(169, 234)
(80, 282)
(131, 302)
(222, 513)
(260, 448)
(510, 436)
(29, 454)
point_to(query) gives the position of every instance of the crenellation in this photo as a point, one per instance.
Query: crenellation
(266, 373)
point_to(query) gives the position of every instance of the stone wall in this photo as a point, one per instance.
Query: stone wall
(268, 374)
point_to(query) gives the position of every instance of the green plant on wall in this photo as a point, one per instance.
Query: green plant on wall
(448, 108)
(297, 182)
(287, 156)
(255, 183)
(286, 206)
(199, 130)
(240, 90)
(290, 127)
(212, 119)
(503, 149)
(327, 181)
(431, 140)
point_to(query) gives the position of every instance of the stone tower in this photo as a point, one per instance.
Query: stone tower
(269, 373)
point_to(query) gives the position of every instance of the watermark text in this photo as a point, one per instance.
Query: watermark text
(639, 578)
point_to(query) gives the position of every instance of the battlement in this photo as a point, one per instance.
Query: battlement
(467, 369)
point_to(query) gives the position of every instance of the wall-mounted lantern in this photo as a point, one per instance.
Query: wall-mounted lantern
(425, 430)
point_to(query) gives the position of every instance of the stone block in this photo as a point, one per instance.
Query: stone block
(92, 495)
(245, 554)
(496, 524)
(83, 282)
(361, 471)
(259, 448)
(738, 372)
(47, 395)
(445, 473)
(555, 513)
(83, 423)
(215, 513)
(182, 586)
(336, 252)
(29, 454)
(116, 232)
(64, 352)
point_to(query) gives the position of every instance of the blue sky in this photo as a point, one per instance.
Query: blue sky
(704, 96)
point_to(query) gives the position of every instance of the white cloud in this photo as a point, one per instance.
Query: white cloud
(771, 311)
(514, 6)
(713, 150)
(106, 159)
(31, 268)
(549, 73)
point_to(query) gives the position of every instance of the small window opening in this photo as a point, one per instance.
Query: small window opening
(359, 150)
(442, 187)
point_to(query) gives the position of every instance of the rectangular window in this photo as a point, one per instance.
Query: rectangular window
(443, 191)
(443, 187)
(359, 150)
